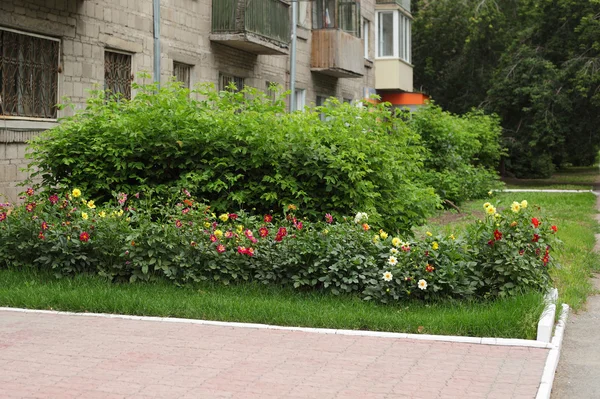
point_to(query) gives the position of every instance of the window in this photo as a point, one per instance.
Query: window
(394, 36)
(347, 100)
(117, 73)
(366, 27)
(182, 73)
(337, 14)
(303, 15)
(385, 30)
(28, 75)
(226, 80)
(300, 99)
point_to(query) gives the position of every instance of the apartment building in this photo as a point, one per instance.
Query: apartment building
(50, 49)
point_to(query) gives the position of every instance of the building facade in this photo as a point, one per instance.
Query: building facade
(51, 49)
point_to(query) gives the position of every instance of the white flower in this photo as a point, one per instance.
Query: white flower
(387, 276)
(361, 217)
(393, 251)
(392, 260)
(422, 284)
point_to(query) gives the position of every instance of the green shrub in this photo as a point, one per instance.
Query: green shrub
(463, 152)
(184, 241)
(241, 151)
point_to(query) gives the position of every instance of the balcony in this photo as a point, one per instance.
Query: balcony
(255, 26)
(337, 53)
(405, 4)
(393, 74)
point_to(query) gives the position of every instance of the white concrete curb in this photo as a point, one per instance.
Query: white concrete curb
(552, 360)
(533, 190)
(546, 322)
(423, 337)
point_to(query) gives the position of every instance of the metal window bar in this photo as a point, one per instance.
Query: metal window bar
(117, 73)
(225, 80)
(28, 75)
(182, 73)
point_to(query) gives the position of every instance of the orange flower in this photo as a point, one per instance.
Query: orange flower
(365, 226)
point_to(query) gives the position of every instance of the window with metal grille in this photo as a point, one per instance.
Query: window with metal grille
(117, 73)
(182, 73)
(28, 75)
(226, 80)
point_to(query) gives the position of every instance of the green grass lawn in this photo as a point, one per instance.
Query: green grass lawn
(514, 317)
(574, 215)
(574, 178)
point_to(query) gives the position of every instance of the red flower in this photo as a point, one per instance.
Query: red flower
(2, 216)
(248, 234)
(84, 237)
(241, 250)
(554, 229)
(426, 253)
(278, 238)
(429, 269)
(213, 238)
(328, 218)
(41, 236)
(53, 199)
(178, 224)
(30, 191)
(250, 252)
(30, 207)
(282, 232)
(263, 232)
(535, 222)
(497, 235)
(268, 218)
(229, 234)
(44, 226)
(535, 238)
(491, 242)
(193, 243)
(299, 225)
(521, 252)
(188, 202)
(220, 248)
(233, 216)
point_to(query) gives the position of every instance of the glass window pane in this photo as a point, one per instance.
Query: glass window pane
(386, 34)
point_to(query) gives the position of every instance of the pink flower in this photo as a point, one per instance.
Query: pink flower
(248, 233)
(178, 224)
(213, 238)
(30, 207)
(44, 226)
(53, 199)
(30, 191)
(328, 218)
(2, 216)
(122, 198)
(229, 234)
(299, 225)
(220, 248)
(185, 210)
(187, 193)
(233, 216)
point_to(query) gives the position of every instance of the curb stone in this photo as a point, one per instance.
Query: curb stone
(552, 360)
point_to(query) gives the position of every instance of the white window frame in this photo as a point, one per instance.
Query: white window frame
(58, 78)
(300, 99)
(402, 36)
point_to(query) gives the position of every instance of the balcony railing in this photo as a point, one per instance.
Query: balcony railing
(337, 53)
(257, 26)
(402, 3)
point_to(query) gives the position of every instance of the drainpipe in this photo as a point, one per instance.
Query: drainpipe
(156, 6)
(293, 57)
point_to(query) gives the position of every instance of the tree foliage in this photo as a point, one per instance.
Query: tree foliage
(536, 63)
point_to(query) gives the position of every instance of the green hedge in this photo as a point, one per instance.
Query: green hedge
(242, 150)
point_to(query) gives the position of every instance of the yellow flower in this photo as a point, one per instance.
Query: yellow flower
(486, 205)
(68, 238)
(239, 228)
(452, 237)
(435, 245)
(325, 231)
(128, 219)
(490, 193)
(515, 207)
(120, 212)
(206, 225)
(497, 216)
(84, 215)
(491, 210)
(84, 202)
(76, 193)
(102, 214)
(218, 233)
(375, 239)
(224, 217)
(91, 205)
(213, 215)
(396, 242)
(524, 204)
(383, 234)
(292, 207)
(429, 233)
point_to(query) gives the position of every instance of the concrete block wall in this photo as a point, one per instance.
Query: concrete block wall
(87, 28)
(13, 146)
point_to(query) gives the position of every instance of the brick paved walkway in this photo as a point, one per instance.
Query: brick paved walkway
(63, 356)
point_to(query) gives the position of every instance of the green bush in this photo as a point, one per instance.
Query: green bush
(241, 151)
(463, 152)
(184, 241)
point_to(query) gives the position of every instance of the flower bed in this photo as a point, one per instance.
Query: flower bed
(501, 255)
